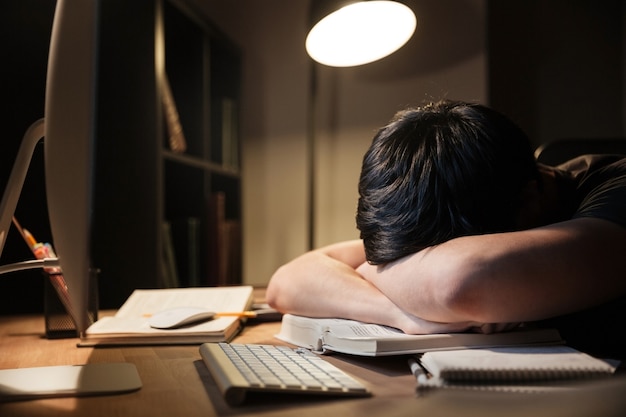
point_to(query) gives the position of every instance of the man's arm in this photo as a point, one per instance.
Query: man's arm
(510, 277)
(324, 283)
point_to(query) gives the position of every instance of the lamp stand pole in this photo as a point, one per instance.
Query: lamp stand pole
(311, 151)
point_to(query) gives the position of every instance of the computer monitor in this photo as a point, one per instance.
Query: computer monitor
(69, 140)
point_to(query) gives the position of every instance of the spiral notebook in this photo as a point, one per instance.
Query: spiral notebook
(507, 368)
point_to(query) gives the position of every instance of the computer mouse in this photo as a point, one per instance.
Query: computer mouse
(173, 318)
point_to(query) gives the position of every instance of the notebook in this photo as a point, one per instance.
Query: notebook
(507, 368)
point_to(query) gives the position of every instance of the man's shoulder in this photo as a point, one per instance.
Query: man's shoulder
(585, 165)
(600, 187)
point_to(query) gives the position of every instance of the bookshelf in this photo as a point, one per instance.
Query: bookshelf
(154, 202)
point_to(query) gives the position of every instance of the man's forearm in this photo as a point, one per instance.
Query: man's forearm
(425, 283)
(319, 286)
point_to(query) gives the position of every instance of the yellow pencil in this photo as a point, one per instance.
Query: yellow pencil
(242, 314)
(247, 314)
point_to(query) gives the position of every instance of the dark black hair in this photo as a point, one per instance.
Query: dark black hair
(437, 172)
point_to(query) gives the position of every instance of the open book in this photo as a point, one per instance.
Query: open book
(364, 339)
(535, 368)
(130, 325)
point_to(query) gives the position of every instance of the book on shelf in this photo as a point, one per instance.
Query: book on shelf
(224, 243)
(169, 278)
(130, 324)
(230, 134)
(508, 368)
(366, 339)
(175, 134)
(187, 243)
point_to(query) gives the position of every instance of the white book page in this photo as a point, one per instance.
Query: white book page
(133, 317)
(143, 303)
(349, 329)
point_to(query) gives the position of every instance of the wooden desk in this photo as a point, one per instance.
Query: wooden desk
(176, 383)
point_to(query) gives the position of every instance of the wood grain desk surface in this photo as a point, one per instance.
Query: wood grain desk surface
(176, 383)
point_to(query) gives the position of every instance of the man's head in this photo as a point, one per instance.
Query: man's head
(441, 171)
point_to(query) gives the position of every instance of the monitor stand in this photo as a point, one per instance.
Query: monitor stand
(68, 381)
(13, 189)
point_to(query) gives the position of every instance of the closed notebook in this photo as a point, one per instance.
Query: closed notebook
(509, 366)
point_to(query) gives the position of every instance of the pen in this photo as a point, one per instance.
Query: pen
(30, 240)
(43, 251)
(241, 314)
(418, 371)
(40, 250)
(28, 237)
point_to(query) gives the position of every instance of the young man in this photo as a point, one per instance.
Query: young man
(462, 230)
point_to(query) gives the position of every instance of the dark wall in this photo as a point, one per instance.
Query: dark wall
(25, 27)
(556, 67)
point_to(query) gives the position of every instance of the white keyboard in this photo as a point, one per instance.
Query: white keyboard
(241, 368)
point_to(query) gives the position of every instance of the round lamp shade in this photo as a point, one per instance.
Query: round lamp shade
(360, 33)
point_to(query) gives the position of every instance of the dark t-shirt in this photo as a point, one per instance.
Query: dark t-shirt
(600, 187)
(596, 187)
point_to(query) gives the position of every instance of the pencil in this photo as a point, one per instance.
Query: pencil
(247, 314)
(241, 314)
